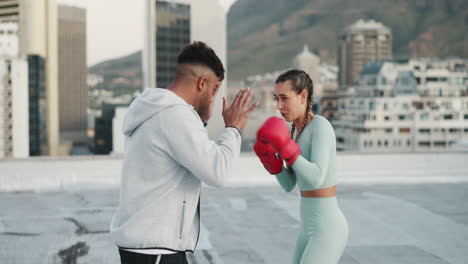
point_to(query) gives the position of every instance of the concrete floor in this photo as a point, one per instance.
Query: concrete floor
(389, 223)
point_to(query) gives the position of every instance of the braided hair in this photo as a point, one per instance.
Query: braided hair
(300, 80)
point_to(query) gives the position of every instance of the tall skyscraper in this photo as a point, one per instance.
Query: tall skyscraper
(37, 105)
(14, 127)
(171, 24)
(172, 34)
(358, 44)
(37, 37)
(73, 91)
(14, 142)
(9, 10)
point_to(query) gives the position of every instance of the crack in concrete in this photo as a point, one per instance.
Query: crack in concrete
(208, 256)
(82, 229)
(72, 253)
(19, 234)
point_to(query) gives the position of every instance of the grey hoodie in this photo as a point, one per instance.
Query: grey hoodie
(167, 156)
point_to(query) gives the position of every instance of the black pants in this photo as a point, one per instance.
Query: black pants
(127, 257)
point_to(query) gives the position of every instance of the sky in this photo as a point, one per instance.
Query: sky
(114, 27)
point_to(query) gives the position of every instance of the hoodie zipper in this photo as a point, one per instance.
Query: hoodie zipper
(182, 220)
(199, 220)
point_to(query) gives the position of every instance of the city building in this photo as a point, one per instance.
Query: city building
(419, 105)
(14, 117)
(172, 24)
(310, 63)
(37, 105)
(358, 44)
(73, 90)
(36, 22)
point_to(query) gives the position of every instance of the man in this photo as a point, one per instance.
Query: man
(168, 155)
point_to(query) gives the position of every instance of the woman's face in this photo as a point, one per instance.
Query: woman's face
(290, 104)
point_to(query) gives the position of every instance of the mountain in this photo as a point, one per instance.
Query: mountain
(265, 35)
(121, 75)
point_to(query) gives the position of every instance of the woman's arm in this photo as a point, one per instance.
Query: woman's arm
(286, 179)
(312, 173)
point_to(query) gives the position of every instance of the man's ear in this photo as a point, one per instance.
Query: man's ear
(202, 83)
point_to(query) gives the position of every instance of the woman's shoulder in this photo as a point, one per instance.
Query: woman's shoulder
(320, 121)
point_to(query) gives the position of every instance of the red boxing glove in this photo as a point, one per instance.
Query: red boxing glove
(267, 156)
(275, 132)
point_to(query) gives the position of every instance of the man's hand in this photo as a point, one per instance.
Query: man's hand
(238, 114)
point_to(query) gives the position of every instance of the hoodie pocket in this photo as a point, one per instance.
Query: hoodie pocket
(182, 220)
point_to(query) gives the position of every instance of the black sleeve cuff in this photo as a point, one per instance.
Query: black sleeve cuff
(236, 129)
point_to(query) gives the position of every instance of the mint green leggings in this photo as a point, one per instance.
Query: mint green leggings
(323, 232)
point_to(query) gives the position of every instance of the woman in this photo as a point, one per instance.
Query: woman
(310, 165)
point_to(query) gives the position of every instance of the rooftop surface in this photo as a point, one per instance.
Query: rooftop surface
(401, 208)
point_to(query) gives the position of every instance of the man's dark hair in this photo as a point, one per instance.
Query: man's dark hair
(198, 53)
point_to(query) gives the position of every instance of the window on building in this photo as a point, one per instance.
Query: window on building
(424, 144)
(448, 117)
(389, 130)
(383, 80)
(424, 116)
(418, 105)
(447, 105)
(387, 118)
(405, 130)
(465, 116)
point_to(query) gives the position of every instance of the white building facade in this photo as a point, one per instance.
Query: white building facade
(14, 115)
(421, 105)
(14, 96)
